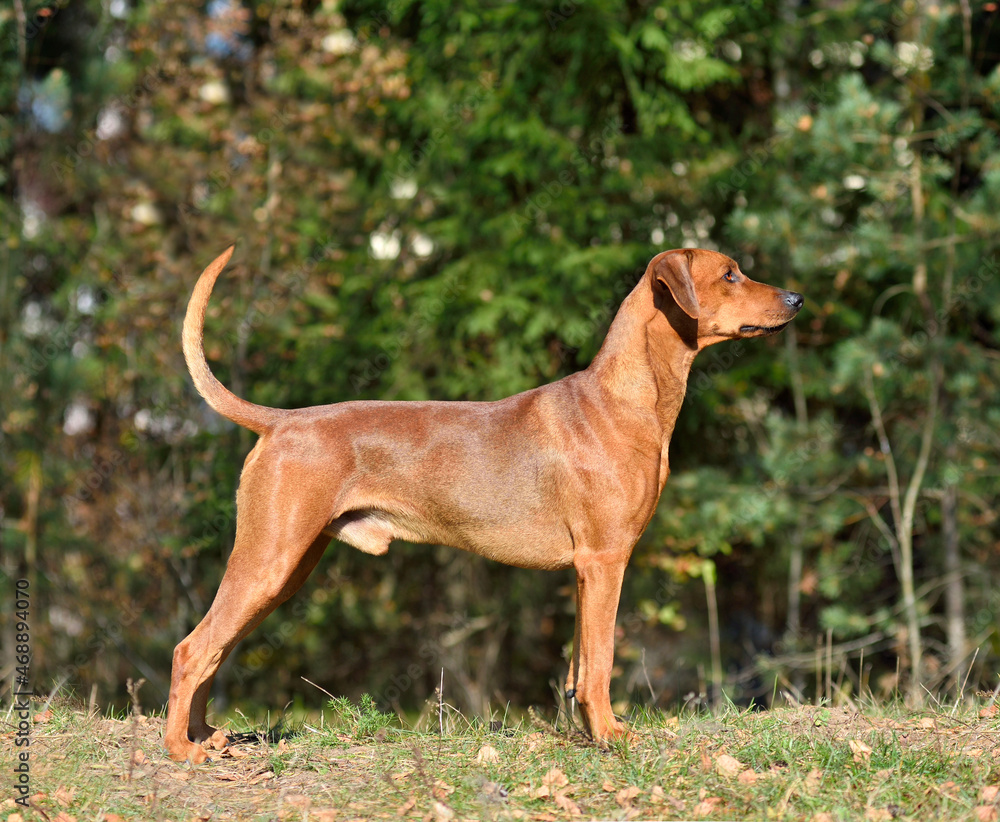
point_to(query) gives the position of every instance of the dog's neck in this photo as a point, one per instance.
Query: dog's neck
(646, 357)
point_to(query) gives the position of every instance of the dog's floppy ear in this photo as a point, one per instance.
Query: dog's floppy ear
(673, 270)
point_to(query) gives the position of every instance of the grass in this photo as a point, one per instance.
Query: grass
(794, 763)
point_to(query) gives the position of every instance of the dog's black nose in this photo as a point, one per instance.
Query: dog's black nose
(794, 300)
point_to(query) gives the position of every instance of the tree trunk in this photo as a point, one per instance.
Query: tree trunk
(954, 590)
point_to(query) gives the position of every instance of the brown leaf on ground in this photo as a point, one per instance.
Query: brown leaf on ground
(986, 813)
(62, 816)
(555, 778)
(442, 813)
(862, 752)
(989, 793)
(626, 796)
(563, 802)
(656, 795)
(63, 796)
(487, 755)
(139, 757)
(728, 766)
(552, 780)
(42, 717)
(813, 780)
(106, 817)
(707, 806)
(822, 816)
(326, 815)
(283, 746)
(534, 740)
(877, 815)
(989, 711)
(407, 806)
(609, 787)
(748, 777)
(442, 789)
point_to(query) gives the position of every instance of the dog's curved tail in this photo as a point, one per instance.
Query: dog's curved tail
(258, 418)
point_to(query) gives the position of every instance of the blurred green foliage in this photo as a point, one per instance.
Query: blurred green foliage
(441, 200)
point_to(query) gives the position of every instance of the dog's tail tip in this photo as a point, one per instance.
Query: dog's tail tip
(257, 418)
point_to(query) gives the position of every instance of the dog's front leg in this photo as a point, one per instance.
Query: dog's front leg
(599, 577)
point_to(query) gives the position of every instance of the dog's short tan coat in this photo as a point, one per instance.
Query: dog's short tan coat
(566, 475)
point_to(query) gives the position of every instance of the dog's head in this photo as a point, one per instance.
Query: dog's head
(708, 299)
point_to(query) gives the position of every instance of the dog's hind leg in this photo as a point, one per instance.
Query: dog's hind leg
(269, 563)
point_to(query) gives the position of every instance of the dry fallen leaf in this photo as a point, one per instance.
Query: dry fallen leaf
(555, 778)
(813, 780)
(406, 807)
(625, 796)
(748, 777)
(927, 722)
(986, 813)
(707, 806)
(62, 816)
(989, 793)
(877, 815)
(822, 816)
(107, 817)
(442, 813)
(42, 717)
(139, 756)
(325, 815)
(565, 803)
(989, 711)
(552, 780)
(487, 755)
(862, 752)
(656, 795)
(64, 797)
(283, 746)
(728, 766)
(609, 787)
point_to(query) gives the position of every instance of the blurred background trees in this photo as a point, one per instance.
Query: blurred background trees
(449, 200)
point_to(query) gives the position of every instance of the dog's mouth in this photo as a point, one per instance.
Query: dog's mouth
(761, 330)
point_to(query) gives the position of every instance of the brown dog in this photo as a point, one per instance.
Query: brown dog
(568, 474)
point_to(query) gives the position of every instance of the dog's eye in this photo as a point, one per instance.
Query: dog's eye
(729, 277)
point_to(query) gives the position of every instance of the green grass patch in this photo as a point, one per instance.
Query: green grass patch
(355, 762)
